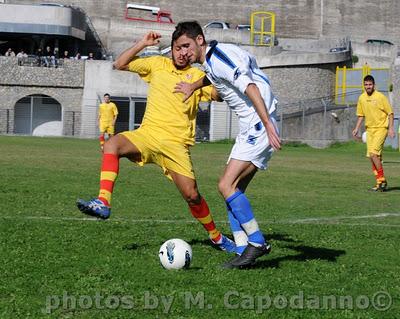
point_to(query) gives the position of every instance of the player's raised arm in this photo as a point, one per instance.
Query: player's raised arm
(149, 39)
(188, 88)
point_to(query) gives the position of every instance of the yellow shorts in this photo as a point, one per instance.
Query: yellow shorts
(375, 140)
(169, 155)
(106, 128)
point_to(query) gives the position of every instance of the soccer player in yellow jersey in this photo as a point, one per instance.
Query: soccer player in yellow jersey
(374, 107)
(108, 113)
(165, 135)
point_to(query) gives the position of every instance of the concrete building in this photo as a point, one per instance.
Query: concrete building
(64, 100)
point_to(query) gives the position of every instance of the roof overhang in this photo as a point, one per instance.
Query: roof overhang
(42, 19)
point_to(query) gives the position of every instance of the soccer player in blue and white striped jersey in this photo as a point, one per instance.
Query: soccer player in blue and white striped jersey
(247, 91)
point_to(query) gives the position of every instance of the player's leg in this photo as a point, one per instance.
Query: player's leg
(102, 138)
(238, 232)
(235, 172)
(200, 210)
(375, 141)
(381, 183)
(115, 148)
(237, 176)
(110, 131)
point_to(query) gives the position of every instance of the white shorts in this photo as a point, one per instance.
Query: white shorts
(253, 146)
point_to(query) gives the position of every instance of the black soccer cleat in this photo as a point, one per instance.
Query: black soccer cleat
(248, 257)
(380, 186)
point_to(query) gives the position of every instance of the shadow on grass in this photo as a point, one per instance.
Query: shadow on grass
(305, 253)
(133, 246)
(280, 237)
(390, 189)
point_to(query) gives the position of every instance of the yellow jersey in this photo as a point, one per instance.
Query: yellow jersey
(107, 112)
(166, 114)
(375, 109)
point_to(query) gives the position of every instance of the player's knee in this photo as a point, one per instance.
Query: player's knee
(112, 146)
(224, 188)
(192, 196)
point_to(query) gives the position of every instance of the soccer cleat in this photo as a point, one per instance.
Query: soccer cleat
(380, 186)
(225, 244)
(249, 256)
(94, 207)
(383, 186)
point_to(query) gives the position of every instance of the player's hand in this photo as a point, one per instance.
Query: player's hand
(391, 133)
(354, 132)
(185, 88)
(151, 38)
(273, 136)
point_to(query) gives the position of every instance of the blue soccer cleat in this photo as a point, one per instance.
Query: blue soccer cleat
(226, 244)
(94, 207)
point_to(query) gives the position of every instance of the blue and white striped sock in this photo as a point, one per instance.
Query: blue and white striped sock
(239, 234)
(242, 211)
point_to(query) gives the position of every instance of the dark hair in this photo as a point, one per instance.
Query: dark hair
(106, 95)
(369, 78)
(189, 28)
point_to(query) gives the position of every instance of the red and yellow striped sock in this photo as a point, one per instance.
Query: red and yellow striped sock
(380, 177)
(374, 170)
(102, 139)
(202, 213)
(108, 175)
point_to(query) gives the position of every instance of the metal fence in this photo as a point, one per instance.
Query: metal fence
(317, 122)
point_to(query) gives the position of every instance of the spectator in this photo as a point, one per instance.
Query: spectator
(48, 57)
(9, 52)
(90, 56)
(56, 53)
(56, 57)
(66, 55)
(78, 56)
(39, 54)
(22, 54)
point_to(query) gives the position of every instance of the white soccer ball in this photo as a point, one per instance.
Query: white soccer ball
(364, 137)
(175, 254)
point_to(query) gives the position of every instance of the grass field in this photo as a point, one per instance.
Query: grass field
(335, 245)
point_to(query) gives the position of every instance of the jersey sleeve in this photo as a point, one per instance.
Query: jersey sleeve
(359, 111)
(386, 105)
(144, 66)
(115, 109)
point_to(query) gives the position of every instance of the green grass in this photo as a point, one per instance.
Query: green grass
(313, 205)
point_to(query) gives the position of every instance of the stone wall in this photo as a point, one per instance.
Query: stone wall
(64, 84)
(293, 84)
(70, 75)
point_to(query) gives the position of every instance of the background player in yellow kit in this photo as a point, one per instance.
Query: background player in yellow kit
(107, 117)
(374, 107)
(165, 135)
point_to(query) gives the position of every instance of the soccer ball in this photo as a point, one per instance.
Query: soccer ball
(364, 137)
(175, 254)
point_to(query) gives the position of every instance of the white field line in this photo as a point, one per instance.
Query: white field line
(311, 220)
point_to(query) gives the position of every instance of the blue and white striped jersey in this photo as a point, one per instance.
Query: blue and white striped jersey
(231, 69)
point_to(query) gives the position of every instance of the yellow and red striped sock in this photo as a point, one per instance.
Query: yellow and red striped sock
(202, 213)
(102, 140)
(380, 176)
(374, 170)
(108, 175)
